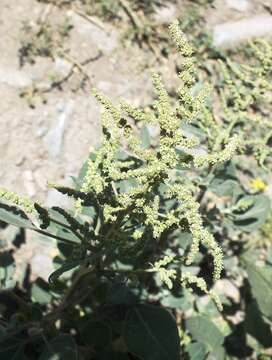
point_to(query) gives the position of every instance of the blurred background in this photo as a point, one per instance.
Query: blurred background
(55, 51)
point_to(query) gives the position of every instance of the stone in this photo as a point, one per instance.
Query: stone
(54, 137)
(61, 66)
(14, 77)
(233, 33)
(239, 5)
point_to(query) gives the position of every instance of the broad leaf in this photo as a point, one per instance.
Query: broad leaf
(96, 333)
(256, 326)
(151, 333)
(253, 217)
(205, 331)
(14, 216)
(196, 351)
(145, 138)
(12, 348)
(40, 292)
(62, 347)
(261, 286)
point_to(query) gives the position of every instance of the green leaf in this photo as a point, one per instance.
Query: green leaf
(96, 333)
(145, 138)
(40, 292)
(256, 326)
(62, 347)
(255, 216)
(229, 188)
(196, 351)
(183, 302)
(12, 350)
(204, 330)
(261, 286)
(14, 216)
(218, 354)
(151, 333)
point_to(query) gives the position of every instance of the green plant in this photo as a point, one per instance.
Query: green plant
(151, 221)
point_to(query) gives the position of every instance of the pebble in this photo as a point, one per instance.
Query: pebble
(54, 137)
(232, 33)
(239, 5)
(14, 78)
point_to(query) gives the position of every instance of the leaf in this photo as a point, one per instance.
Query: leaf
(183, 302)
(12, 350)
(151, 333)
(193, 130)
(40, 292)
(229, 188)
(261, 287)
(255, 216)
(145, 138)
(256, 326)
(119, 293)
(124, 186)
(62, 347)
(96, 333)
(196, 351)
(14, 216)
(204, 330)
(217, 354)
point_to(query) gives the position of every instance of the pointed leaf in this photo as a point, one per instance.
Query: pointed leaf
(62, 347)
(14, 216)
(255, 216)
(196, 351)
(151, 333)
(204, 330)
(256, 326)
(261, 286)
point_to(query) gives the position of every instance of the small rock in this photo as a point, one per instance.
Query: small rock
(62, 66)
(54, 137)
(14, 78)
(231, 33)
(239, 5)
